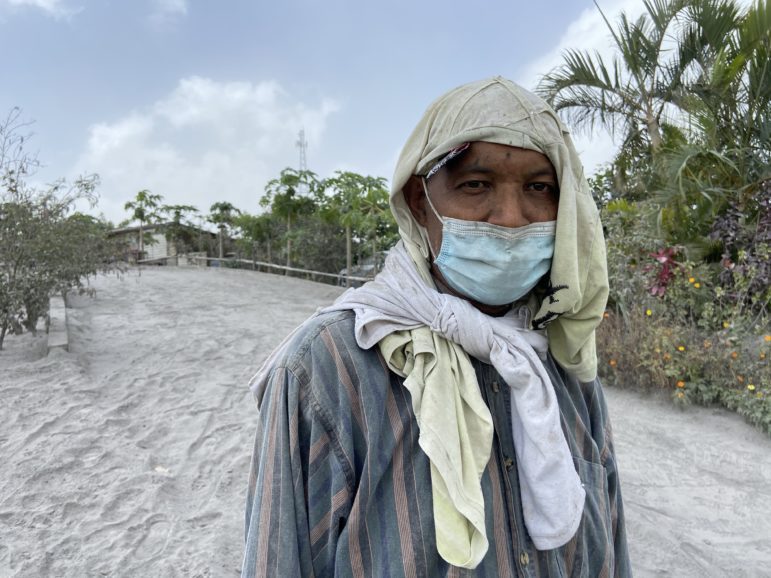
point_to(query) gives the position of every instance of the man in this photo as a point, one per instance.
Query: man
(446, 419)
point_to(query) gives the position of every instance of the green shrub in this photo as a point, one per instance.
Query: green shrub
(697, 330)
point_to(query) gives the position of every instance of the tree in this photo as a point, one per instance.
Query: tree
(45, 246)
(379, 228)
(358, 203)
(727, 91)
(715, 180)
(222, 214)
(343, 206)
(177, 229)
(258, 232)
(143, 209)
(705, 64)
(289, 196)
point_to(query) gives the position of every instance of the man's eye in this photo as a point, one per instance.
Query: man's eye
(473, 186)
(542, 187)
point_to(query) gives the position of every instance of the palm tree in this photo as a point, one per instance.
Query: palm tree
(143, 209)
(719, 174)
(690, 86)
(727, 93)
(223, 215)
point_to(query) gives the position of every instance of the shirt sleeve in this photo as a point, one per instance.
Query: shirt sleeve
(604, 437)
(293, 464)
(622, 567)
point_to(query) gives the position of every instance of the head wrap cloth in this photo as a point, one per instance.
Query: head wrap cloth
(498, 111)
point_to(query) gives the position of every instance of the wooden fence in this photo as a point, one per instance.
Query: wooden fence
(254, 266)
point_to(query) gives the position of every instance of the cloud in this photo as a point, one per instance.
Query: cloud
(166, 10)
(204, 142)
(54, 8)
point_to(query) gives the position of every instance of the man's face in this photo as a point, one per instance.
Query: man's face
(494, 183)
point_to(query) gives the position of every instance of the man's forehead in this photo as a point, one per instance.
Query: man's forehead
(476, 155)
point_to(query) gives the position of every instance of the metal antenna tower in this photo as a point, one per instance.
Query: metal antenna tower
(302, 144)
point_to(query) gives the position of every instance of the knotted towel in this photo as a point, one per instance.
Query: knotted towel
(425, 336)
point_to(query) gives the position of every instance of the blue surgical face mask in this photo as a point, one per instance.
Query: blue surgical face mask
(491, 264)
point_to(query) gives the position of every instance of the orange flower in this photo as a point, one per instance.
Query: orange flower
(734, 355)
(667, 357)
(707, 344)
(681, 384)
(762, 355)
(613, 363)
(767, 338)
(606, 315)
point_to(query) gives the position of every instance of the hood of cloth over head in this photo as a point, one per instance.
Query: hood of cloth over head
(498, 111)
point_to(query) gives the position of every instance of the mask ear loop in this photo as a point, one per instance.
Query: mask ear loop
(424, 181)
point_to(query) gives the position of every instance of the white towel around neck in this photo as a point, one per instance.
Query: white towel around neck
(398, 300)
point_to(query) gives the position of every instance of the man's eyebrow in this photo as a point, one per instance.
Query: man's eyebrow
(543, 171)
(540, 171)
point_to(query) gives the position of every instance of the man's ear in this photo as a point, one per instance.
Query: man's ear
(415, 197)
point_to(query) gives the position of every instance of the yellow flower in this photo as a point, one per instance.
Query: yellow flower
(648, 312)
(726, 325)
(691, 279)
(680, 395)
(681, 384)
(751, 386)
(681, 347)
(767, 338)
(697, 285)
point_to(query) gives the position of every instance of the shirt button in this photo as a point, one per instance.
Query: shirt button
(496, 387)
(508, 462)
(524, 558)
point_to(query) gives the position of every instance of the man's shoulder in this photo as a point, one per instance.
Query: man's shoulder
(325, 361)
(324, 339)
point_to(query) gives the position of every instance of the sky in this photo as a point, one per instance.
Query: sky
(202, 101)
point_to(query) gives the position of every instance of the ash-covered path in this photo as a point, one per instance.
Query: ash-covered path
(128, 455)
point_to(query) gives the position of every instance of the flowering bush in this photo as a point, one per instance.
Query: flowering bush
(697, 330)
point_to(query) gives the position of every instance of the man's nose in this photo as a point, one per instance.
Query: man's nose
(508, 210)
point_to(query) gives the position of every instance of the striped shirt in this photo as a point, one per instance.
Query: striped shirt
(340, 487)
